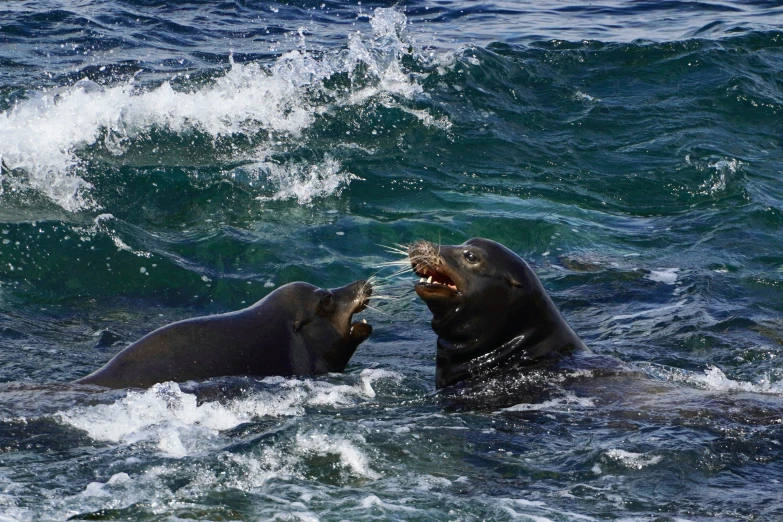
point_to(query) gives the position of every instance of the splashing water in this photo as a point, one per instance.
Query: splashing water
(46, 137)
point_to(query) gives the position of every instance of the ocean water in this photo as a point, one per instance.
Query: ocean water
(164, 160)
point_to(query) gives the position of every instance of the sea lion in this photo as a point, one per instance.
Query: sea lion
(489, 310)
(299, 329)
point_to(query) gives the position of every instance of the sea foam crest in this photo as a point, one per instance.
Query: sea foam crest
(249, 471)
(306, 182)
(566, 403)
(178, 426)
(173, 419)
(42, 137)
(633, 460)
(714, 379)
(351, 457)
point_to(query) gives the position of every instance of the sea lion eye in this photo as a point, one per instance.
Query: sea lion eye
(326, 301)
(470, 256)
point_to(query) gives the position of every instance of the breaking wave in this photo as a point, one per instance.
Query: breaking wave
(252, 115)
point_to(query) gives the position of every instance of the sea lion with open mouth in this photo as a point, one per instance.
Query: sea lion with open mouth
(299, 329)
(489, 310)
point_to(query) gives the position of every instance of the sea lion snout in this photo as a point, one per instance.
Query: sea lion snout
(438, 279)
(352, 299)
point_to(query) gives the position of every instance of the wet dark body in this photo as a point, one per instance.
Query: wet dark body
(489, 310)
(299, 329)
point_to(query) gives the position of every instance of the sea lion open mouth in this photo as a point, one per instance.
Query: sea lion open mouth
(433, 277)
(430, 267)
(358, 331)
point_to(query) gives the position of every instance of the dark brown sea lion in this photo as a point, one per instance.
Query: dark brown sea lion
(489, 310)
(299, 329)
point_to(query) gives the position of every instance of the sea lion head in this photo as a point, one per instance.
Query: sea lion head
(487, 304)
(472, 289)
(322, 333)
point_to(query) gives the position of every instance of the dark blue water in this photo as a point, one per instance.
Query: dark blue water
(168, 160)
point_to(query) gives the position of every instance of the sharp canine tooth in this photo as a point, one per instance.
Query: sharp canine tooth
(429, 280)
(422, 280)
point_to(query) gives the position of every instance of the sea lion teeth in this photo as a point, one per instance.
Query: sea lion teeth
(429, 280)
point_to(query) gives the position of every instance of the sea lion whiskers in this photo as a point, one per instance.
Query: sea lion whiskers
(376, 309)
(427, 262)
(386, 264)
(374, 281)
(422, 252)
(403, 265)
(394, 251)
(396, 248)
(377, 288)
(368, 283)
(383, 297)
(373, 295)
(388, 297)
(404, 269)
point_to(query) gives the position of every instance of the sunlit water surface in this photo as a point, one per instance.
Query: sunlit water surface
(167, 160)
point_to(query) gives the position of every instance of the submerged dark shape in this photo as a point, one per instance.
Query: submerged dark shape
(489, 310)
(299, 329)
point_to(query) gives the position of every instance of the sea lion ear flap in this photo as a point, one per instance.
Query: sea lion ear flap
(298, 325)
(513, 282)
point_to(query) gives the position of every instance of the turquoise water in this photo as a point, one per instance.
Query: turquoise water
(164, 161)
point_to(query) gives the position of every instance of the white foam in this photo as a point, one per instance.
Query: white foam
(714, 379)
(322, 393)
(305, 182)
(428, 482)
(633, 460)
(650, 314)
(351, 456)
(725, 170)
(373, 501)
(304, 517)
(119, 492)
(10, 491)
(370, 375)
(43, 135)
(251, 472)
(522, 509)
(173, 419)
(579, 95)
(665, 275)
(178, 426)
(565, 403)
